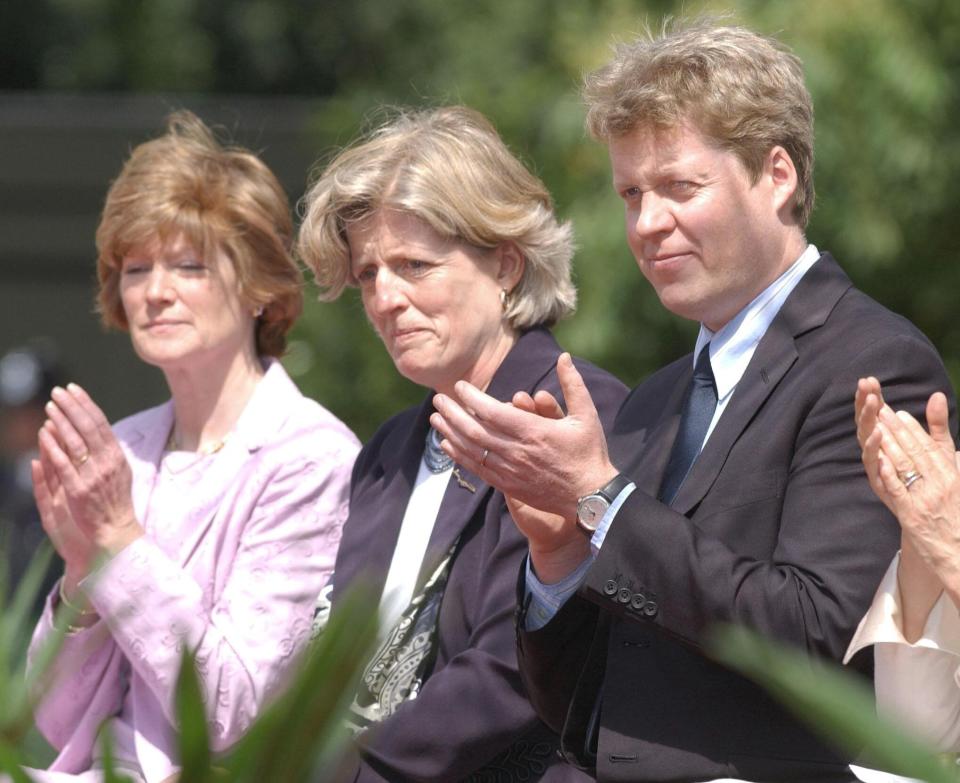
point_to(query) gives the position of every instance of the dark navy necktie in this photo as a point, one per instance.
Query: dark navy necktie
(698, 410)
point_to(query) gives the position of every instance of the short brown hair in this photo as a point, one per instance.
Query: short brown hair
(219, 198)
(742, 90)
(450, 168)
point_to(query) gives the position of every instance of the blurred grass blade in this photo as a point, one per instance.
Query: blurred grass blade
(110, 774)
(192, 719)
(830, 700)
(19, 613)
(11, 764)
(301, 736)
(16, 626)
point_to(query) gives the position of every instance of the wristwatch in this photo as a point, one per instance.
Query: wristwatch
(592, 507)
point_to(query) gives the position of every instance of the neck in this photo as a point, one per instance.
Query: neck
(208, 400)
(483, 370)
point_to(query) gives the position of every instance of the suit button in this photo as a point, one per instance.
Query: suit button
(624, 595)
(637, 601)
(610, 588)
(650, 608)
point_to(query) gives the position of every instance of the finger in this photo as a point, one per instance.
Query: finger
(60, 463)
(524, 402)
(891, 446)
(42, 496)
(866, 387)
(867, 411)
(575, 392)
(92, 411)
(463, 423)
(919, 446)
(462, 448)
(493, 414)
(79, 418)
(490, 469)
(870, 456)
(46, 464)
(71, 441)
(938, 420)
(898, 494)
(547, 405)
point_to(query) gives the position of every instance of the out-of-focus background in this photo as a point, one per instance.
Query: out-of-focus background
(82, 81)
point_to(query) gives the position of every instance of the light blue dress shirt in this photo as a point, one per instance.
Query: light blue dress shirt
(731, 349)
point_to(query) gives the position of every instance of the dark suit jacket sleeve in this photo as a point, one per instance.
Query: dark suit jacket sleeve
(833, 541)
(475, 707)
(797, 561)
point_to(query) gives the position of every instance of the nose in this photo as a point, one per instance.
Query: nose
(654, 216)
(159, 285)
(388, 292)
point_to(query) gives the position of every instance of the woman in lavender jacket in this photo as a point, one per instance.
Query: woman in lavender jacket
(211, 521)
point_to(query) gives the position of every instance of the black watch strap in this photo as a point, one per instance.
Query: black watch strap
(614, 487)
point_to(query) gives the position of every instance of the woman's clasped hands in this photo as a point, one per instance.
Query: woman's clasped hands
(82, 484)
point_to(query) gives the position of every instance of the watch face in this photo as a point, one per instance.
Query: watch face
(591, 511)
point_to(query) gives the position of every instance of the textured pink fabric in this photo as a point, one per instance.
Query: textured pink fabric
(238, 546)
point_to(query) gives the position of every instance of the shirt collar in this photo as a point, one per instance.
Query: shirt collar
(732, 346)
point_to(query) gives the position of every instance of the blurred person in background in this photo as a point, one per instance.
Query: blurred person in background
(462, 268)
(210, 521)
(28, 374)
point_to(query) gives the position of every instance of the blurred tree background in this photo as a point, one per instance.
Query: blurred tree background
(884, 75)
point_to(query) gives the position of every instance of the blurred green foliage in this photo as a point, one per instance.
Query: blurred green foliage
(298, 737)
(884, 75)
(833, 702)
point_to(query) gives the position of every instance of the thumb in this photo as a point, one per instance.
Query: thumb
(575, 393)
(938, 420)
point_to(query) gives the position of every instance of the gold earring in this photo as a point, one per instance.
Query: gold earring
(504, 294)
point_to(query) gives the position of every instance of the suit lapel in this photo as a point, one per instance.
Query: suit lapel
(645, 462)
(143, 446)
(808, 307)
(370, 535)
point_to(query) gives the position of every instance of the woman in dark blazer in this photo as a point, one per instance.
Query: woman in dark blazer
(462, 267)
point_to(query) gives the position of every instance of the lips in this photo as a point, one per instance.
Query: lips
(163, 323)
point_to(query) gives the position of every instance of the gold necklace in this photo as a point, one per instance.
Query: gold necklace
(206, 451)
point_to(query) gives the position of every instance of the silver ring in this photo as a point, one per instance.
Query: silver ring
(483, 459)
(910, 477)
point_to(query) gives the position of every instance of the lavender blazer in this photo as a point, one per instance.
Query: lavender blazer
(231, 566)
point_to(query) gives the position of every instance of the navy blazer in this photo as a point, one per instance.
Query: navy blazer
(775, 528)
(472, 717)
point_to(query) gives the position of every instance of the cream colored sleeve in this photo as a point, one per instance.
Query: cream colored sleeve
(916, 684)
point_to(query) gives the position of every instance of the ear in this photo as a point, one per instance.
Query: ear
(783, 179)
(510, 265)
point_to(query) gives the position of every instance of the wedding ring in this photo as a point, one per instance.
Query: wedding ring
(910, 477)
(483, 459)
(81, 459)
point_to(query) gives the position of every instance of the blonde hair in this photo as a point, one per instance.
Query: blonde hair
(219, 198)
(743, 91)
(449, 168)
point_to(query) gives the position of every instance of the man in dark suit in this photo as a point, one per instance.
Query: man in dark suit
(730, 487)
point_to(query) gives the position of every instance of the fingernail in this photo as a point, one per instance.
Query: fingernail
(57, 391)
(50, 407)
(73, 387)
